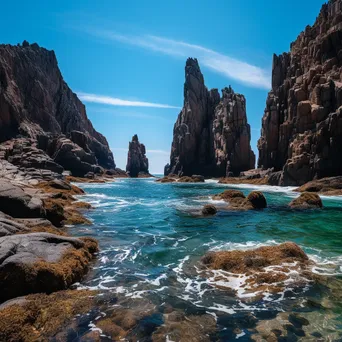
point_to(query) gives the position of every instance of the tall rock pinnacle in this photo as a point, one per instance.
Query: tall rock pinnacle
(302, 124)
(137, 161)
(211, 135)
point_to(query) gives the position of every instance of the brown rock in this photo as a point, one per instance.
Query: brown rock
(257, 265)
(42, 262)
(307, 200)
(192, 179)
(237, 200)
(20, 318)
(257, 199)
(326, 186)
(227, 195)
(211, 136)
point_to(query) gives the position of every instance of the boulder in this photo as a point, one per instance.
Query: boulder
(257, 199)
(307, 200)
(209, 210)
(41, 262)
(14, 201)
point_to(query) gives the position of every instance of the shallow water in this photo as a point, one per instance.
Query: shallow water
(151, 242)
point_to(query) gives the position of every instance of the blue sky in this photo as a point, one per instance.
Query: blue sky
(126, 58)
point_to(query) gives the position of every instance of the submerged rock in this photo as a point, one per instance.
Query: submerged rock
(284, 327)
(181, 327)
(265, 269)
(209, 210)
(42, 262)
(307, 200)
(19, 318)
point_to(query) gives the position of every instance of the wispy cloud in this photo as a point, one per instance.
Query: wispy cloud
(229, 67)
(159, 152)
(113, 101)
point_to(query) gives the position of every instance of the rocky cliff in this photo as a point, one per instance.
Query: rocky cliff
(137, 162)
(302, 126)
(211, 136)
(35, 102)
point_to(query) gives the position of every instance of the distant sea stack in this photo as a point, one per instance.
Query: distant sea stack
(211, 136)
(137, 162)
(37, 104)
(302, 126)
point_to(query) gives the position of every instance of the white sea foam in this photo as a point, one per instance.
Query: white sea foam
(243, 245)
(266, 188)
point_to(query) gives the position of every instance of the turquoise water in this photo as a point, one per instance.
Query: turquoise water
(152, 238)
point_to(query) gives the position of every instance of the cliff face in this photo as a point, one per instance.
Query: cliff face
(302, 125)
(137, 161)
(35, 101)
(211, 136)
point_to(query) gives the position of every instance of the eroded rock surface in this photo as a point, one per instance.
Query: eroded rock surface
(211, 136)
(42, 262)
(325, 186)
(302, 125)
(35, 102)
(137, 162)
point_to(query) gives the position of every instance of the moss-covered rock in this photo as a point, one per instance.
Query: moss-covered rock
(307, 200)
(227, 195)
(42, 262)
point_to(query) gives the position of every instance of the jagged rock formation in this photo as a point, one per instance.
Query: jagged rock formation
(211, 136)
(302, 125)
(137, 162)
(35, 102)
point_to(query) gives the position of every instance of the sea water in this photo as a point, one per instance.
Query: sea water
(152, 239)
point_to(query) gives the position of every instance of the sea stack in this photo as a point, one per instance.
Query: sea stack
(137, 162)
(211, 136)
(302, 125)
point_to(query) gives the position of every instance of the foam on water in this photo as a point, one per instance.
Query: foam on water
(155, 249)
